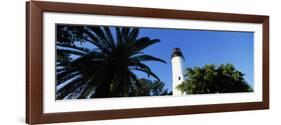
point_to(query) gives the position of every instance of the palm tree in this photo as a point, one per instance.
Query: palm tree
(105, 70)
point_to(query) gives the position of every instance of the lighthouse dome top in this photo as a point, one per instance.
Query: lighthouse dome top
(177, 52)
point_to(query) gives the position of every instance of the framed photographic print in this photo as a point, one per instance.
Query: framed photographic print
(95, 62)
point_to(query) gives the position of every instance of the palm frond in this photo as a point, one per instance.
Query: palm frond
(66, 77)
(143, 43)
(63, 75)
(135, 80)
(147, 58)
(63, 91)
(97, 41)
(69, 51)
(72, 47)
(109, 37)
(116, 82)
(104, 35)
(144, 68)
(125, 33)
(119, 37)
(133, 34)
(99, 78)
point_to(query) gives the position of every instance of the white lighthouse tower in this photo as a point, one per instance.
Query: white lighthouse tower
(177, 69)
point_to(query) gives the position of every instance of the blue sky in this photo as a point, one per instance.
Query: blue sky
(200, 47)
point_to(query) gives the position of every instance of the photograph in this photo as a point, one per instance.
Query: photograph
(94, 61)
(100, 62)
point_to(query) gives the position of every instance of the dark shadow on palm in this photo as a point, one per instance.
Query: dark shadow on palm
(106, 70)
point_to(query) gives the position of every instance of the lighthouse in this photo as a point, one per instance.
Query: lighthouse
(177, 70)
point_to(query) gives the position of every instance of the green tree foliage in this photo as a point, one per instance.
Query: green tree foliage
(66, 36)
(150, 88)
(104, 70)
(211, 79)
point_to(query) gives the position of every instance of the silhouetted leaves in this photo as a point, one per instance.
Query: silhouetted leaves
(212, 79)
(150, 88)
